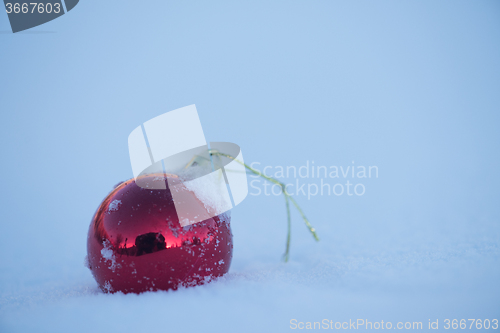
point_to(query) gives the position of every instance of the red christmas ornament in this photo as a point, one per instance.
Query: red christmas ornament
(136, 243)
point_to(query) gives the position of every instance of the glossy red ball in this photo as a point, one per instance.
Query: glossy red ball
(136, 243)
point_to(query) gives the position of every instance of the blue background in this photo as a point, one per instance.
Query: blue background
(411, 87)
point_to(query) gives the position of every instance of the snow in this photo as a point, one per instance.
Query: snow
(114, 206)
(337, 281)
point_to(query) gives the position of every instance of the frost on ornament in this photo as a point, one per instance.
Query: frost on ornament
(107, 287)
(109, 255)
(114, 206)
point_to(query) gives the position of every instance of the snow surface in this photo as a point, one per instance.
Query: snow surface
(404, 282)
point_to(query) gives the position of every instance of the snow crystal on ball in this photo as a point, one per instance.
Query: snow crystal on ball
(114, 206)
(108, 255)
(107, 287)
